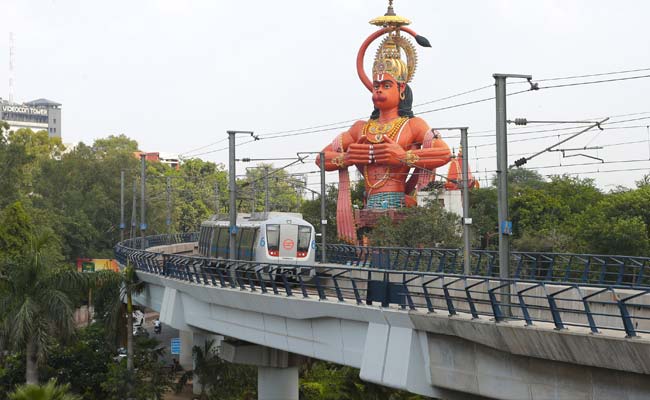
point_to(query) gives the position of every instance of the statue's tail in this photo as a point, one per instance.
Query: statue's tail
(345, 225)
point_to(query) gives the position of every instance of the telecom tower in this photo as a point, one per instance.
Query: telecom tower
(11, 67)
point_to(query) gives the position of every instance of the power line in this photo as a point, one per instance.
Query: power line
(315, 129)
(594, 82)
(203, 147)
(591, 75)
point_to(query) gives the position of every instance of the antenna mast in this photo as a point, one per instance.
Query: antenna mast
(11, 67)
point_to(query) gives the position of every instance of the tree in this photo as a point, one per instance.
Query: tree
(49, 391)
(15, 231)
(149, 380)
(115, 146)
(429, 226)
(35, 302)
(83, 362)
(219, 379)
(325, 381)
(120, 286)
(483, 211)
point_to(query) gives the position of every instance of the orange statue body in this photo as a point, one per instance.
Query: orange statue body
(396, 152)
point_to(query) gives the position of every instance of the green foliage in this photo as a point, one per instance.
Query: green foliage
(150, 379)
(423, 227)
(12, 372)
(219, 379)
(483, 210)
(49, 391)
(83, 362)
(325, 381)
(15, 231)
(311, 212)
(35, 303)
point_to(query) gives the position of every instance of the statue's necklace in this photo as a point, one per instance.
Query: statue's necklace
(374, 130)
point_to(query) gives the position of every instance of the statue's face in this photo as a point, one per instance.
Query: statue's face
(385, 92)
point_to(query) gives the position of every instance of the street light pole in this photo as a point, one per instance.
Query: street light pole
(505, 226)
(323, 217)
(466, 220)
(232, 188)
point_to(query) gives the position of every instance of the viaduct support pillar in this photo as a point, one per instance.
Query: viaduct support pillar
(277, 370)
(185, 358)
(277, 383)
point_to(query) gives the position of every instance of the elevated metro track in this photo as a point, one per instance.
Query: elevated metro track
(430, 332)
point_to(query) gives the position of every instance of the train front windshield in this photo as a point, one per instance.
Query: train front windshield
(273, 239)
(304, 238)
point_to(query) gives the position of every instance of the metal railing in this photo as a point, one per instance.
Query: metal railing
(161, 240)
(544, 267)
(548, 267)
(598, 308)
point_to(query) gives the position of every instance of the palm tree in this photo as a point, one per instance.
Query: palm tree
(207, 365)
(35, 304)
(117, 288)
(49, 391)
(216, 376)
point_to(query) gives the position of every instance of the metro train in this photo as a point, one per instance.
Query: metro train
(274, 237)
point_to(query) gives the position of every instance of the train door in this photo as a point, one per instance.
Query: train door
(288, 242)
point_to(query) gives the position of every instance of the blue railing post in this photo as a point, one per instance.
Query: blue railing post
(450, 304)
(523, 305)
(494, 303)
(319, 288)
(555, 311)
(287, 286)
(628, 324)
(302, 286)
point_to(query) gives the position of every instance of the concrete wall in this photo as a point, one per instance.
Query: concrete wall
(426, 353)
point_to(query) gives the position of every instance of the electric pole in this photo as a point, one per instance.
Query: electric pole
(143, 177)
(466, 220)
(323, 216)
(232, 188)
(253, 196)
(505, 225)
(216, 197)
(134, 217)
(122, 225)
(169, 206)
(266, 190)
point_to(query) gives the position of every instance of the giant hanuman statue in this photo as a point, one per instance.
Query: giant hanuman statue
(396, 152)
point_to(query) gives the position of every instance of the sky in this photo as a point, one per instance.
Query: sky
(176, 75)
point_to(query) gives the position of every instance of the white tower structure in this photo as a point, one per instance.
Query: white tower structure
(11, 67)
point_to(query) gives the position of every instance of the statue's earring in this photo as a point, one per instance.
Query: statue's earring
(402, 96)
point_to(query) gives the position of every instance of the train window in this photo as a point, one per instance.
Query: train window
(246, 244)
(202, 240)
(222, 244)
(205, 241)
(273, 239)
(212, 239)
(304, 237)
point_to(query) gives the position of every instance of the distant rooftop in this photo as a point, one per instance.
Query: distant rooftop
(43, 103)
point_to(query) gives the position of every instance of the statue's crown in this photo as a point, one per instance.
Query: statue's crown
(388, 59)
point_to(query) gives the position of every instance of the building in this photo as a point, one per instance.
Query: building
(166, 158)
(37, 115)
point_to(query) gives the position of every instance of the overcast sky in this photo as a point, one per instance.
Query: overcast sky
(175, 75)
